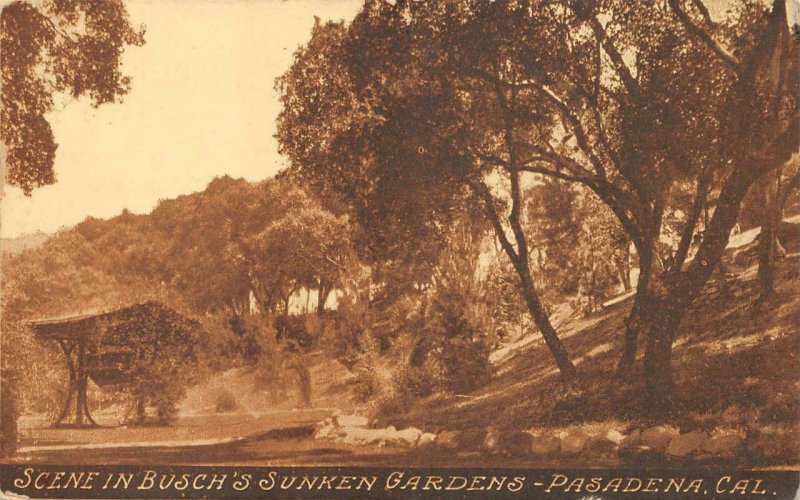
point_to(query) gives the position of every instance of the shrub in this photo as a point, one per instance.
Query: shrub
(256, 336)
(164, 362)
(414, 381)
(458, 352)
(367, 383)
(391, 405)
(295, 369)
(226, 402)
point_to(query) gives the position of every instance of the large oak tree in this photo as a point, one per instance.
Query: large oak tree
(636, 101)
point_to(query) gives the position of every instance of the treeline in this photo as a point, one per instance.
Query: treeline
(232, 257)
(237, 255)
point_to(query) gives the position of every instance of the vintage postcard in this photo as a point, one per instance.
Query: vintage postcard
(400, 249)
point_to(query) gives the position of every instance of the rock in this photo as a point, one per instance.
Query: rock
(733, 414)
(464, 440)
(471, 439)
(600, 445)
(779, 446)
(358, 435)
(725, 446)
(514, 443)
(389, 435)
(326, 431)
(426, 439)
(658, 438)
(614, 436)
(409, 436)
(351, 421)
(491, 442)
(363, 436)
(632, 440)
(687, 444)
(448, 440)
(543, 446)
(574, 442)
(703, 457)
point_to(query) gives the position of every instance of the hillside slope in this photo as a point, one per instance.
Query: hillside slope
(19, 244)
(735, 364)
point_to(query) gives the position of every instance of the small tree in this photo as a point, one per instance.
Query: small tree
(456, 326)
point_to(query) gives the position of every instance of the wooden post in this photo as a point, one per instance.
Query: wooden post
(81, 396)
(72, 382)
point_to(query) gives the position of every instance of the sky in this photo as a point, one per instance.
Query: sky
(202, 105)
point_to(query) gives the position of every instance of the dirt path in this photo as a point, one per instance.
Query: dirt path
(291, 446)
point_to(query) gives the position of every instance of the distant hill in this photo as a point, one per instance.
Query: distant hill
(13, 246)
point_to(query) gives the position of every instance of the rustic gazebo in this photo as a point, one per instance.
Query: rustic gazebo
(94, 349)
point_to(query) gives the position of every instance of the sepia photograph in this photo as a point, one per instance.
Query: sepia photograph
(400, 249)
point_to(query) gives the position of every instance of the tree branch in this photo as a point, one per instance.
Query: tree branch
(577, 129)
(630, 83)
(701, 7)
(514, 216)
(703, 184)
(617, 200)
(553, 173)
(721, 52)
(485, 196)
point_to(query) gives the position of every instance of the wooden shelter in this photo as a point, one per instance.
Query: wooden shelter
(94, 350)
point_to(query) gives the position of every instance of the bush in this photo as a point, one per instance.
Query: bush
(465, 365)
(458, 349)
(257, 337)
(226, 402)
(391, 405)
(165, 359)
(295, 368)
(366, 382)
(414, 381)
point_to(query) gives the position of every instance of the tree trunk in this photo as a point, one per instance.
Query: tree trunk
(557, 349)
(520, 257)
(698, 206)
(624, 269)
(632, 327)
(664, 317)
(766, 260)
(520, 262)
(673, 293)
(767, 239)
(640, 310)
(322, 298)
(140, 410)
